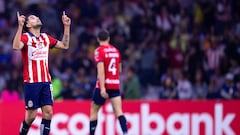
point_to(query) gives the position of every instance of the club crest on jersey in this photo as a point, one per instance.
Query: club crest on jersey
(40, 45)
(96, 53)
(30, 103)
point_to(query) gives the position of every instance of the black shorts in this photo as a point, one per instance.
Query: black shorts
(37, 94)
(99, 100)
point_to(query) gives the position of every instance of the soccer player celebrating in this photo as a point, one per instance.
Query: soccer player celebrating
(109, 67)
(34, 46)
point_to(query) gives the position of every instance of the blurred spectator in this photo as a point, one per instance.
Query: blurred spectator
(208, 9)
(81, 86)
(168, 89)
(213, 89)
(131, 86)
(237, 78)
(163, 61)
(223, 13)
(184, 87)
(165, 22)
(219, 78)
(176, 55)
(132, 55)
(214, 55)
(2, 6)
(5, 57)
(82, 60)
(67, 91)
(229, 88)
(148, 59)
(200, 87)
(194, 60)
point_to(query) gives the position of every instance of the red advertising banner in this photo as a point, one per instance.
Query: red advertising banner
(144, 118)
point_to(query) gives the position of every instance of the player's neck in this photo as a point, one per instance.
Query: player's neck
(35, 32)
(104, 43)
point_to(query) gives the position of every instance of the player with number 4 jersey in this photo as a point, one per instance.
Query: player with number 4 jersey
(110, 56)
(108, 61)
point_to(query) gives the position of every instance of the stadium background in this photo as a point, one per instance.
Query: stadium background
(173, 50)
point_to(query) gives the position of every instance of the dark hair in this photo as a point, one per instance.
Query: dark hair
(25, 28)
(103, 35)
(28, 13)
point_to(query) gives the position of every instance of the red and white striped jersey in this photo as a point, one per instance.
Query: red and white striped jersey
(35, 57)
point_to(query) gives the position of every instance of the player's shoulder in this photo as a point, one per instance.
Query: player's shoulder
(26, 34)
(99, 48)
(45, 35)
(112, 48)
(108, 48)
(97, 51)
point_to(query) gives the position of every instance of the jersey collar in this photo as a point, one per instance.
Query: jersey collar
(32, 35)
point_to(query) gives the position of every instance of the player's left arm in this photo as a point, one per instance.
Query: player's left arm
(101, 77)
(64, 44)
(120, 63)
(120, 67)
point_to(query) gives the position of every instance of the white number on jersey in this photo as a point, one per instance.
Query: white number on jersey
(112, 66)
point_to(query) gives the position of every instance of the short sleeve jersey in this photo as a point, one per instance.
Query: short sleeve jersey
(35, 57)
(111, 58)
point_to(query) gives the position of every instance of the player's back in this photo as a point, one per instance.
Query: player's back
(111, 58)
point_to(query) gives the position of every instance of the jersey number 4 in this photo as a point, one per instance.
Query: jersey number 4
(112, 66)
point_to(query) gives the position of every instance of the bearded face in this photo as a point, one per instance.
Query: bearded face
(33, 22)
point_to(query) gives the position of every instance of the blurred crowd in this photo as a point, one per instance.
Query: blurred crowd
(171, 49)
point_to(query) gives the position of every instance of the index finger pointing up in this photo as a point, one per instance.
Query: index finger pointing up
(18, 14)
(64, 13)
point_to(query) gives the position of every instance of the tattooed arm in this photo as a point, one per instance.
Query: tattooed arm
(64, 44)
(17, 44)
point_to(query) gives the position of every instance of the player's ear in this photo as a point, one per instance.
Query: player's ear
(28, 25)
(108, 39)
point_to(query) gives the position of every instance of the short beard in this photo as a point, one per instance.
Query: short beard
(37, 26)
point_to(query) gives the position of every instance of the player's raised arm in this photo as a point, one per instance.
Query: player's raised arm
(64, 44)
(17, 44)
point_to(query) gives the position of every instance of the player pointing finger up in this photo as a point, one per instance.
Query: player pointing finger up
(65, 19)
(35, 46)
(21, 19)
